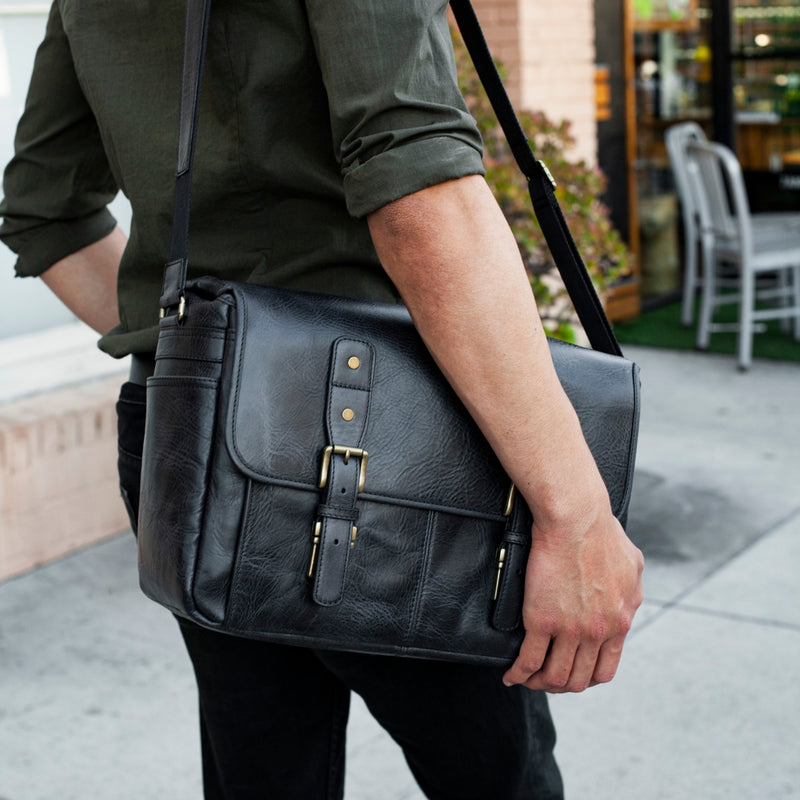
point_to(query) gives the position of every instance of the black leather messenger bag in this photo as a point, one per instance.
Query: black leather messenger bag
(310, 478)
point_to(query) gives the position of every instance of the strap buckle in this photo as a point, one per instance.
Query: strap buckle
(547, 173)
(181, 310)
(347, 452)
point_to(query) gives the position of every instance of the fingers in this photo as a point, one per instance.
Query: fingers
(580, 599)
(567, 665)
(608, 660)
(532, 655)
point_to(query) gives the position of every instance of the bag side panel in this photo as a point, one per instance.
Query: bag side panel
(177, 451)
(224, 509)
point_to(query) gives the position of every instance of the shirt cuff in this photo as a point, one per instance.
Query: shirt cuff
(40, 247)
(407, 169)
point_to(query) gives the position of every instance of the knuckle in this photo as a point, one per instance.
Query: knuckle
(598, 630)
(579, 686)
(530, 665)
(624, 624)
(546, 623)
(557, 682)
(604, 675)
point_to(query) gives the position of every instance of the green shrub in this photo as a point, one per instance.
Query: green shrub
(579, 189)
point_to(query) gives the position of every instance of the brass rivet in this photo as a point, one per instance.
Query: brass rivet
(348, 414)
(353, 362)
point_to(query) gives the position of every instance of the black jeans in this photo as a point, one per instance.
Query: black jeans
(273, 717)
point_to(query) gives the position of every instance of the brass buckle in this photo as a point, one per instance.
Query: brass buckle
(162, 312)
(347, 452)
(316, 538)
(501, 563)
(512, 496)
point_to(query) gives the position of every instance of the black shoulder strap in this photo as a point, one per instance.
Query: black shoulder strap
(540, 182)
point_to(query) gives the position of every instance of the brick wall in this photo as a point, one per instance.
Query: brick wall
(548, 49)
(58, 479)
(500, 20)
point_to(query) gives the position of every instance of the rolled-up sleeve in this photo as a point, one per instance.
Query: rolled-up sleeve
(398, 119)
(59, 182)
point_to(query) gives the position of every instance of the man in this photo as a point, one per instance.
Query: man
(335, 154)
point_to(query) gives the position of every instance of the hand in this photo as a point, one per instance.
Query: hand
(581, 593)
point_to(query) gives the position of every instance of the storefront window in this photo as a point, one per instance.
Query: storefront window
(765, 52)
(673, 83)
(672, 72)
(673, 75)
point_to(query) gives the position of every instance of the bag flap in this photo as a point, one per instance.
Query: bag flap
(423, 447)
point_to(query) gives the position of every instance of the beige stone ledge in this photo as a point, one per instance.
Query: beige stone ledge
(58, 477)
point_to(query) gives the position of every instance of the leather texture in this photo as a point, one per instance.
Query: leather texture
(308, 475)
(235, 531)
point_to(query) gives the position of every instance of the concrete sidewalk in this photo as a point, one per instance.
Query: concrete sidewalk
(97, 698)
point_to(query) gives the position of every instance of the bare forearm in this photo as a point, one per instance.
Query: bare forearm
(86, 281)
(455, 262)
(457, 266)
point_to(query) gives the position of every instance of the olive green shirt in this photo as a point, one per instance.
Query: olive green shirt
(313, 114)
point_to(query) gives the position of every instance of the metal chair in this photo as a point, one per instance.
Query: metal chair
(730, 241)
(677, 138)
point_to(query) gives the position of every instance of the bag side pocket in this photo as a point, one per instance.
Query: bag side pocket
(130, 433)
(179, 433)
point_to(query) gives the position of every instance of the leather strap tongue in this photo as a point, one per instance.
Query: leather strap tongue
(344, 467)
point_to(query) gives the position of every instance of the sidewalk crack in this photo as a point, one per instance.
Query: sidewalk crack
(676, 601)
(735, 617)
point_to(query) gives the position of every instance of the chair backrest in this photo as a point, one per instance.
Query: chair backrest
(717, 185)
(677, 138)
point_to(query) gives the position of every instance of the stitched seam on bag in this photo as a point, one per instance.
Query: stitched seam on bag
(422, 575)
(202, 516)
(207, 331)
(631, 443)
(208, 334)
(242, 308)
(200, 359)
(240, 542)
(182, 380)
(624, 500)
(427, 505)
(243, 538)
(320, 643)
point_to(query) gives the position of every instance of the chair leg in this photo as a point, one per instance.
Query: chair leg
(689, 276)
(746, 308)
(707, 296)
(785, 298)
